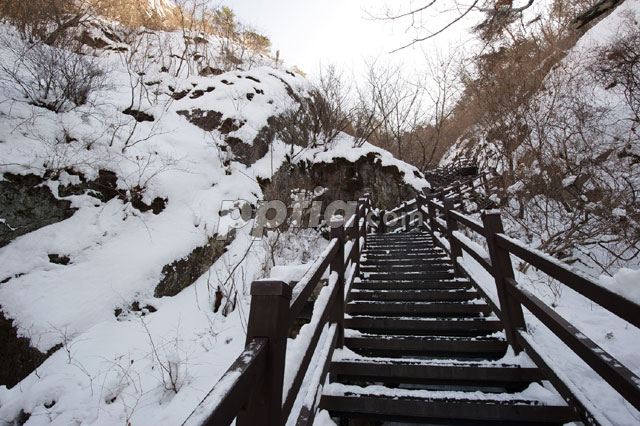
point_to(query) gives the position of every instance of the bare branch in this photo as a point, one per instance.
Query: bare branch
(440, 31)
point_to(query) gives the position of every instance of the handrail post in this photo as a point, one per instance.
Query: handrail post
(502, 269)
(419, 198)
(406, 219)
(452, 226)
(365, 214)
(459, 192)
(356, 240)
(337, 265)
(268, 318)
(432, 217)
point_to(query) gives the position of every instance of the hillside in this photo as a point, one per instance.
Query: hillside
(564, 141)
(121, 269)
(157, 157)
(566, 156)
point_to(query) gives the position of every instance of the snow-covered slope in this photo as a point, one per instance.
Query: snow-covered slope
(123, 356)
(570, 153)
(605, 152)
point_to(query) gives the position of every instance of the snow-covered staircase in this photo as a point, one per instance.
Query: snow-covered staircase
(423, 346)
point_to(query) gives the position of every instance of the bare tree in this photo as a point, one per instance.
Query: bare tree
(618, 66)
(364, 123)
(191, 18)
(495, 14)
(47, 20)
(226, 31)
(443, 89)
(250, 47)
(328, 106)
(397, 101)
(569, 164)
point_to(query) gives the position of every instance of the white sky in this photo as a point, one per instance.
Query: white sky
(311, 32)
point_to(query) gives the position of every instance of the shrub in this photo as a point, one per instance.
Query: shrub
(46, 20)
(618, 67)
(50, 77)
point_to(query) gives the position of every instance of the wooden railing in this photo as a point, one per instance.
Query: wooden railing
(404, 215)
(453, 171)
(444, 223)
(452, 167)
(260, 388)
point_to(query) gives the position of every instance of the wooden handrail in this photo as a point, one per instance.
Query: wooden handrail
(468, 222)
(443, 219)
(311, 279)
(304, 364)
(235, 384)
(483, 261)
(251, 391)
(618, 376)
(407, 207)
(307, 412)
(613, 302)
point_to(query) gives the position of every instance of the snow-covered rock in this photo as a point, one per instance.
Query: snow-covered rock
(160, 131)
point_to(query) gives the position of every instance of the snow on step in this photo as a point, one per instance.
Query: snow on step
(535, 394)
(354, 334)
(508, 360)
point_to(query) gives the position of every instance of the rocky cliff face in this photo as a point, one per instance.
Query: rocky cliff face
(344, 180)
(27, 204)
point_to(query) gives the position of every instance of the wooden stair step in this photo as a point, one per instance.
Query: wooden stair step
(415, 276)
(417, 308)
(403, 256)
(454, 346)
(440, 407)
(423, 241)
(414, 295)
(400, 237)
(403, 243)
(433, 267)
(423, 237)
(410, 255)
(413, 285)
(402, 249)
(404, 262)
(425, 244)
(414, 242)
(418, 325)
(396, 250)
(414, 372)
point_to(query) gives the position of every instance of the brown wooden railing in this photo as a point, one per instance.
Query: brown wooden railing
(452, 167)
(252, 391)
(404, 215)
(444, 223)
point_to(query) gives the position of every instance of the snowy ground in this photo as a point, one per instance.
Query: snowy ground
(142, 368)
(112, 371)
